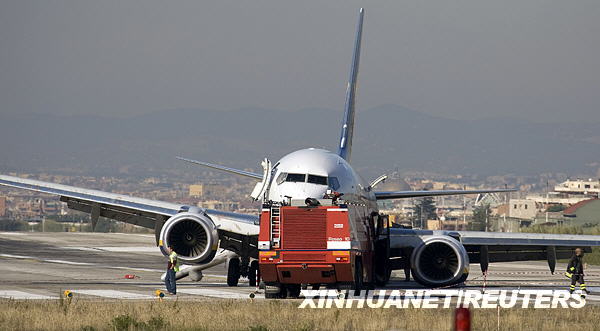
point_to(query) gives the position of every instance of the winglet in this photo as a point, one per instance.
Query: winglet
(345, 147)
(222, 168)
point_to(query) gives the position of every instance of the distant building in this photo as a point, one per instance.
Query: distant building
(579, 186)
(206, 190)
(522, 208)
(445, 225)
(196, 190)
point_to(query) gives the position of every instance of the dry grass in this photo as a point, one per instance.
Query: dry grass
(269, 315)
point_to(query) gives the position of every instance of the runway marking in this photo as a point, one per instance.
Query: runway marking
(214, 293)
(116, 249)
(135, 269)
(68, 262)
(17, 256)
(132, 249)
(20, 295)
(11, 234)
(23, 257)
(87, 249)
(135, 234)
(114, 294)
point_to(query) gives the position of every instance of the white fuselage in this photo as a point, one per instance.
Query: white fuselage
(309, 173)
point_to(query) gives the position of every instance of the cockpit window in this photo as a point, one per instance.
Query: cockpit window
(334, 184)
(281, 178)
(320, 180)
(295, 178)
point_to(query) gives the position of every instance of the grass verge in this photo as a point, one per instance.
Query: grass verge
(269, 315)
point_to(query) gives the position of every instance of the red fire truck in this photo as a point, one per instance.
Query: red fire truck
(315, 244)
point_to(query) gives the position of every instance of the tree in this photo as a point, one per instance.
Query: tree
(424, 209)
(12, 225)
(481, 213)
(556, 208)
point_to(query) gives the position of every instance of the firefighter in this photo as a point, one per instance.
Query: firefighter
(575, 272)
(172, 268)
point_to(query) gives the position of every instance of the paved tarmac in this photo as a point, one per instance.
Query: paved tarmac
(94, 265)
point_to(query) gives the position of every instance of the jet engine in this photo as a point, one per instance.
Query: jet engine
(439, 261)
(193, 236)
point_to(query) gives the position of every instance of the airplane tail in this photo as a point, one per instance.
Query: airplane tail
(345, 147)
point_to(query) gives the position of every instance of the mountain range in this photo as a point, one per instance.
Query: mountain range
(387, 138)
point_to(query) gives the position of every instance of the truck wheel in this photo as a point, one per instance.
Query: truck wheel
(381, 261)
(252, 273)
(275, 291)
(233, 272)
(293, 291)
(358, 277)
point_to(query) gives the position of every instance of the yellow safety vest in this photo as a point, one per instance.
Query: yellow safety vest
(173, 258)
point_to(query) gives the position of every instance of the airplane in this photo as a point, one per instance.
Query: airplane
(205, 237)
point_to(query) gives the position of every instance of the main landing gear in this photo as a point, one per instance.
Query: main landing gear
(237, 268)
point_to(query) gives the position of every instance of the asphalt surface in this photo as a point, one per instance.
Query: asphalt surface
(94, 266)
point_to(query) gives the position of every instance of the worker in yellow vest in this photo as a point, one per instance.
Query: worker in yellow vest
(172, 268)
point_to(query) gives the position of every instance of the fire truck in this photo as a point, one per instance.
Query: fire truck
(313, 243)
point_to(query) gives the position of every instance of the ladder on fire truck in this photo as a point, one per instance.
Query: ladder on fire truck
(275, 224)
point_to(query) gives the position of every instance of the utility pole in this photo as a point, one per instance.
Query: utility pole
(506, 210)
(464, 208)
(547, 192)
(421, 215)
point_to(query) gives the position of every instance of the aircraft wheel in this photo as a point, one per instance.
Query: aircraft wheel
(233, 272)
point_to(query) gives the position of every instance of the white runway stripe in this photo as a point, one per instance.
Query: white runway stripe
(20, 295)
(117, 249)
(68, 262)
(114, 294)
(206, 292)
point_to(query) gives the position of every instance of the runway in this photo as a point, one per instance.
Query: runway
(93, 266)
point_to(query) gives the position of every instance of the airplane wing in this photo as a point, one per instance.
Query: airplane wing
(486, 247)
(143, 212)
(417, 194)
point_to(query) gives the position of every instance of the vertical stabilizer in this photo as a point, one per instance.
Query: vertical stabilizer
(345, 147)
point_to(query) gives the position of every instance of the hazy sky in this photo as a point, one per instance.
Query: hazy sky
(533, 59)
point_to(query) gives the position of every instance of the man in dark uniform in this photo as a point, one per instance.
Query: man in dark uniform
(575, 272)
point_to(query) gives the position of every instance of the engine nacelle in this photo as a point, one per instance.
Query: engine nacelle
(193, 236)
(439, 261)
